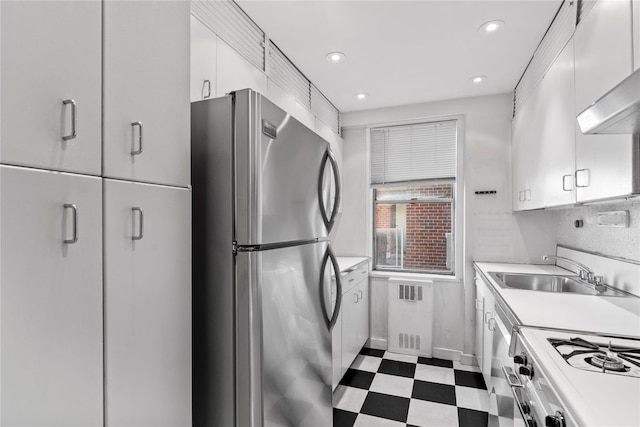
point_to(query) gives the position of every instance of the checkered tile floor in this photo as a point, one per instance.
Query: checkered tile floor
(387, 389)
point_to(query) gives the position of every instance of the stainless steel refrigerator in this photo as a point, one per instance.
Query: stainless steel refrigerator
(266, 193)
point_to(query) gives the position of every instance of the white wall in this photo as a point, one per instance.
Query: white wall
(491, 231)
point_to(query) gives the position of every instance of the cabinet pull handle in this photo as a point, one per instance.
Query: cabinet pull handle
(360, 295)
(139, 150)
(207, 84)
(564, 181)
(351, 280)
(74, 119)
(485, 317)
(141, 233)
(520, 198)
(492, 324)
(527, 195)
(578, 171)
(478, 304)
(74, 208)
(356, 298)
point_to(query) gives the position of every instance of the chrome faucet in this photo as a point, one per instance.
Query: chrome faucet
(584, 272)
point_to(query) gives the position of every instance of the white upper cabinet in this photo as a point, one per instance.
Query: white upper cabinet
(147, 305)
(146, 91)
(51, 287)
(557, 144)
(234, 72)
(51, 85)
(203, 61)
(603, 58)
(526, 154)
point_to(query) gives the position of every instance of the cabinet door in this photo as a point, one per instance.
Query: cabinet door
(558, 130)
(526, 140)
(603, 58)
(349, 327)
(479, 306)
(146, 91)
(51, 52)
(147, 304)
(203, 61)
(362, 326)
(235, 73)
(51, 305)
(487, 336)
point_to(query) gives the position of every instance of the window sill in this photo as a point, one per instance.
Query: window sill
(423, 276)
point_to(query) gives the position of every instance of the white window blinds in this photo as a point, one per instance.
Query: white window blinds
(413, 152)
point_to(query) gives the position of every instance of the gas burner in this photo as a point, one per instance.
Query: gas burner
(597, 357)
(607, 363)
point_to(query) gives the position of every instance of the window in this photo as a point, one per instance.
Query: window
(413, 176)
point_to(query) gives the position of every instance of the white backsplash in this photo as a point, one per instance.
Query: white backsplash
(609, 241)
(616, 272)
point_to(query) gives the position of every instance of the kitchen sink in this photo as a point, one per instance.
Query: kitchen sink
(550, 283)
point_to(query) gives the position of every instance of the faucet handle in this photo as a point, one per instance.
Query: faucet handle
(599, 284)
(591, 277)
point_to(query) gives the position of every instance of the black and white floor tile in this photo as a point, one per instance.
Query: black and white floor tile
(388, 390)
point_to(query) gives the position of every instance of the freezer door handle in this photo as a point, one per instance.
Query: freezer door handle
(329, 221)
(329, 256)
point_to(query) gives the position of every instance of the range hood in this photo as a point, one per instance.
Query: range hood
(617, 112)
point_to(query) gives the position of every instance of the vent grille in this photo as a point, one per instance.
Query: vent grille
(410, 293)
(555, 39)
(325, 110)
(288, 77)
(409, 341)
(231, 24)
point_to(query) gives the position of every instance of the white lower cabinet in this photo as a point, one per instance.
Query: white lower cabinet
(484, 331)
(51, 298)
(351, 331)
(355, 322)
(147, 304)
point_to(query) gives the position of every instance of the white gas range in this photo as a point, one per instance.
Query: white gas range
(568, 378)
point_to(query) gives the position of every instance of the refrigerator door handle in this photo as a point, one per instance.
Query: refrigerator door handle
(331, 321)
(329, 221)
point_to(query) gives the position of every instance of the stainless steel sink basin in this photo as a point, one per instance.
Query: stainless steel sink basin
(549, 283)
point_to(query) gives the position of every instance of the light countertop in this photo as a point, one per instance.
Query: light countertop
(613, 315)
(347, 262)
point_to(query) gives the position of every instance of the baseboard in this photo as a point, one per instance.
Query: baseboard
(377, 343)
(440, 353)
(468, 359)
(447, 354)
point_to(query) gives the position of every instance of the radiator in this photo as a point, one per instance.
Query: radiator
(410, 317)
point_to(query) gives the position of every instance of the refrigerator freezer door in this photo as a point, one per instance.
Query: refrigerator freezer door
(279, 163)
(284, 344)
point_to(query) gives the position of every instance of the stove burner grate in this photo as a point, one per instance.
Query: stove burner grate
(607, 363)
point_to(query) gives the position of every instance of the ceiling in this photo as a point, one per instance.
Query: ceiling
(405, 52)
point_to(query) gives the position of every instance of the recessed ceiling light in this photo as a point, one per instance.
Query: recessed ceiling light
(478, 79)
(335, 57)
(491, 27)
(361, 96)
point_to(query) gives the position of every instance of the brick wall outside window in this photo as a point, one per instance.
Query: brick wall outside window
(425, 227)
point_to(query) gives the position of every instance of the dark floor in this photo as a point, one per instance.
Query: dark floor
(387, 389)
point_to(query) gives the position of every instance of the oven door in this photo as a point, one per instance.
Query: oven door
(501, 396)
